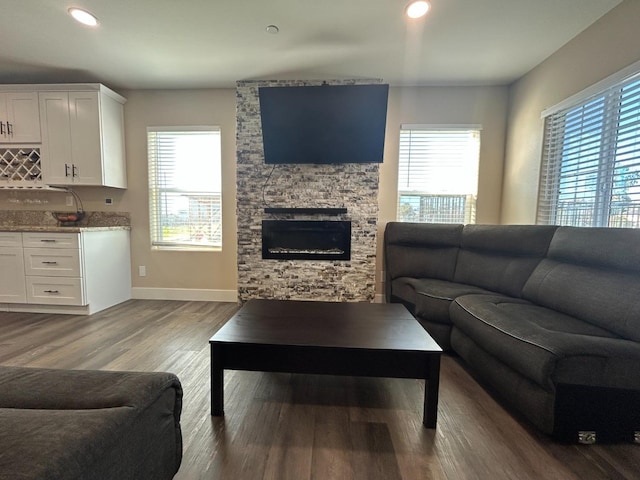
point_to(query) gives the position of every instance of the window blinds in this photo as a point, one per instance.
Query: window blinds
(185, 186)
(590, 171)
(438, 174)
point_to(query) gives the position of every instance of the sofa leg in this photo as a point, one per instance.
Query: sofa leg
(587, 437)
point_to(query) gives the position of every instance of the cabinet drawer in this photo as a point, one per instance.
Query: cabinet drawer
(50, 240)
(55, 291)
(10, 239)
(52, 262)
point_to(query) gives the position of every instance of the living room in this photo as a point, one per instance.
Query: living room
(511, 149)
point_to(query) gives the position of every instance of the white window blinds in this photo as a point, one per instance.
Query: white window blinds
(185, 200)
(438, 174)
(591, 161)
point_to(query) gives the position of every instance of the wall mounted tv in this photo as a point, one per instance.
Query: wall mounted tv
(323, 124)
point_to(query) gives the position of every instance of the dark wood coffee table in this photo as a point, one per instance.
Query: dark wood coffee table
(358, 339)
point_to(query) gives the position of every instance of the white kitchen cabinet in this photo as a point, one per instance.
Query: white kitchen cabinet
(63, 272)
(55, 291)
(19, 117)
(83, 138)
(12, 277)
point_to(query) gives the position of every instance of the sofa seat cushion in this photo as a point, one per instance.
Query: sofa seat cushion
(547, 346)
(432, 298)
(103, 425)
(74, 440)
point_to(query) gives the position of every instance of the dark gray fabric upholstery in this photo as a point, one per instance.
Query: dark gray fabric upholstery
(546, 346)
(410, 251)
(500, 258)
(66, 424)
(592, 275)
(548, 316)
(610, 248)
(440, 332)
(433, 298)
(521, 394)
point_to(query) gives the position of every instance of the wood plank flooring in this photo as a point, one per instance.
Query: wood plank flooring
(282, 426)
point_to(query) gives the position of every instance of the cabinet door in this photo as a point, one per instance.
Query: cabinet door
(86, 141)
(4, 118)
(23, 117)
(12, 277)
(56, 138)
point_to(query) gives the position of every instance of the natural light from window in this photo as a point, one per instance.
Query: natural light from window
(185, 185)
(438, 174)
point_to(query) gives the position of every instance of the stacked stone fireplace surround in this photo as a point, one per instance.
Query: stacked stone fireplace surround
(260, 186)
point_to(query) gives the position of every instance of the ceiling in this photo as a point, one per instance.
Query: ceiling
(145, 44)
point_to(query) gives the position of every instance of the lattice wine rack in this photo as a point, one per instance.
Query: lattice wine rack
(20, 166)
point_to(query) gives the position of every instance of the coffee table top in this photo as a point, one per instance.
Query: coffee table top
(379, 326)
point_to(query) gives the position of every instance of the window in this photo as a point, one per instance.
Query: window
(438, 174)
(590, 174)
(185, 187)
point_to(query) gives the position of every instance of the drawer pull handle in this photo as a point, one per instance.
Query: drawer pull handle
(55, 292)
(48, 240)
(50, 263)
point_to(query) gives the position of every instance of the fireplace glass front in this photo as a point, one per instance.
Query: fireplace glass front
(306, 240)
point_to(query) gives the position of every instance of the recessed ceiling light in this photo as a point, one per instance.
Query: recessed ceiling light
(272, 29)
(417, 9)
(83, 17)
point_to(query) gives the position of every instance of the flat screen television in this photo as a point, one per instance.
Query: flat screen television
(323, 124)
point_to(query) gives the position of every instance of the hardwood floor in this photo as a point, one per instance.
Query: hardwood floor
(282, 426)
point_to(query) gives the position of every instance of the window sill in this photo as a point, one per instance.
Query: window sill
(185, 248)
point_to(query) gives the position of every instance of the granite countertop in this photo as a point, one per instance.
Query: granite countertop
(43, 221)
(56, 229)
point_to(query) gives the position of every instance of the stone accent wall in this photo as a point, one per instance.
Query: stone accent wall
(354, 186)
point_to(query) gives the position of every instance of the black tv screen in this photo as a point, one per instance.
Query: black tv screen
(323, 124)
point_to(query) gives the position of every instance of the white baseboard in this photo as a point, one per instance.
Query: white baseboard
(184, 294)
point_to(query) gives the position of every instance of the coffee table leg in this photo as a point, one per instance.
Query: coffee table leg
(431, 388)
(217, 393)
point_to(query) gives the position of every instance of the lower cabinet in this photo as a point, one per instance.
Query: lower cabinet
(72, 272)
(55, 291)
(12, 277)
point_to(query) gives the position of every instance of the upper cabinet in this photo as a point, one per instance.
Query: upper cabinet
(83, 138)
(19, 119)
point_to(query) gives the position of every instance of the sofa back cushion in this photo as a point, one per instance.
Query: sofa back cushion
(421, 250)
(501, 257)
(592, 274)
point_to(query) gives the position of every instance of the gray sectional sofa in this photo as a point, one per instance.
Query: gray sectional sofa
(90, 425)
(547, 317)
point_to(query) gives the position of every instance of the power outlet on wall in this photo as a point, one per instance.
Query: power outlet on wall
(69, 200)
(142, 271)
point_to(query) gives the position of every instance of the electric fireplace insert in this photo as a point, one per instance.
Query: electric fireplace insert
(306, 240)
